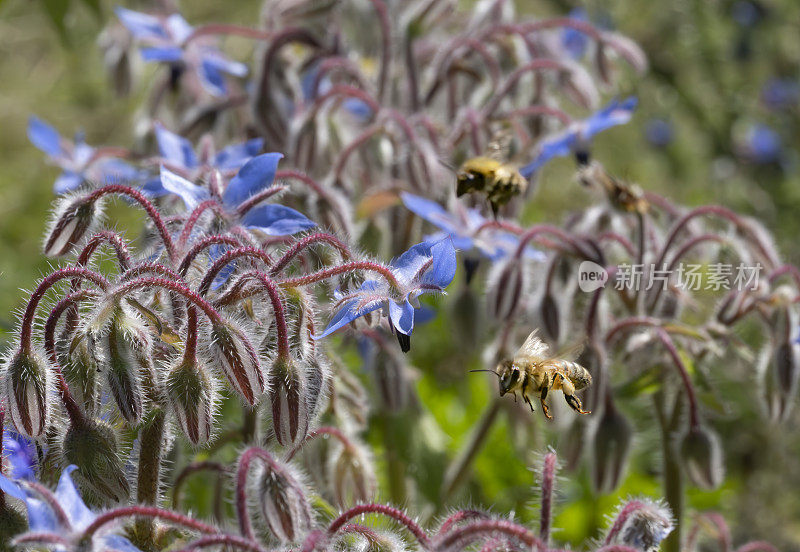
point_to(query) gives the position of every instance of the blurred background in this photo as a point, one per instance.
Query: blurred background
(718, 123)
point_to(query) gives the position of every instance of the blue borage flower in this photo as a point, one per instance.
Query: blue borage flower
(762, 145)
(462, 227)
(166, 41)
(780, 93)
(577, 137)
(427, 267)
(255, 176)
(43, 518)
(354, 106)
(79, 162)
(574, 41)
(20, 455)
(179, 156)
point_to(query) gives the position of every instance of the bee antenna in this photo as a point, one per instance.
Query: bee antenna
(484, 370)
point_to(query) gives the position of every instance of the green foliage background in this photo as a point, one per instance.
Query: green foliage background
(696, 80)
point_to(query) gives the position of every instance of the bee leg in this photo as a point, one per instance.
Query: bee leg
(569, 394)
(495, 209)
(542, 397)
(527, 400)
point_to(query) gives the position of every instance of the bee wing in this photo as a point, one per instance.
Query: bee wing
(533, 349)
(500, 147)
(571, 352)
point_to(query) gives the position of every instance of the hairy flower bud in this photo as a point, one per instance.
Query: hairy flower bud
(391, 379)
(467, 317)
(504, 294)
(642, 525)
(126, 359)
(352, 475)
(702, 457)
(283, 503)
(73, 219)
(612, 443)
(288, 395)
(26, 386)
(231, 351)
(192, 395)
(80, 368)
(783, 378)
(92, 445)
(550, 316)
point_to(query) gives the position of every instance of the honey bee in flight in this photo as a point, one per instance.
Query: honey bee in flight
(533, 370)
(623, 196)
(492, 174)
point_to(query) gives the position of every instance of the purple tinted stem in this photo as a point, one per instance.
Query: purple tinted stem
(388, 511)
(483, 528)
(548, 482)
(149, 208)
(384, 271)
(622, 517)
(201, 246)
(195, 215)
(111, 238)
(147, 511)
(245, 525)
(300, 245)
(41, 289)
(228, 257)
(227, 540)
(177, 287)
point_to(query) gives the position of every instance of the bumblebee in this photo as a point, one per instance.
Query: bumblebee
(623, 196)
(533, 370)
(492, 175)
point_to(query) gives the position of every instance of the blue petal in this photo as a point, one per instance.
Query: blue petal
(44, 137)
(236, 155)
(347, 314)
(141, 25)
(407, 265)
(276, 220)
(401, 315)
(256, 175)
(558, 146)
(118, 543)
(168, 54)
(615, 113)
(214, 253)
(443, 268)
(116, 170)
(432, 212)
(153, 188)
(176, 149)
(573, 40)
(424, 314)
(215, 59)
(21, 455)
(66, 182)
(191, 194)
(40, 515)
(211, 78)
(70, 500)
(179, 29)
(359, 108)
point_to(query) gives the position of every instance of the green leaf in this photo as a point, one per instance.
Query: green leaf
(95, 7)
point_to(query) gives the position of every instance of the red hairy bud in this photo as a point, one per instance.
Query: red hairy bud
(73, 219)
(283, 503)
(612, 443)
(26, 385)
(288, 394)
(352, 476)
(504, 295)
(231, 351)
(642, 525)
(192, 396)
(702, 456)
(92, 445)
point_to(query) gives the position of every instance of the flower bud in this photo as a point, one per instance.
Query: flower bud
(283, 503)
(318, 376)
(126, 360)
(26, 383)
(350, 402)
(575, 443)
(782, 379)
(642, 525)
(612, 443)
(74, 216)
(550, 317)
(288, 395)
(391, 379)
(468, 323)
(702, 457)
(80, 368)
(92, 445)
(504, 295)
(192, 395)
(234, 355)
(352, 476)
